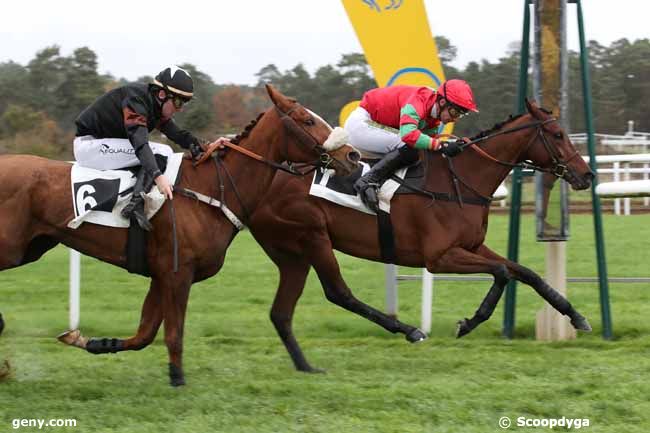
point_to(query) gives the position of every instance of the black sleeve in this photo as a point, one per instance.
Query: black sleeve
(135, 122)
(179, 136)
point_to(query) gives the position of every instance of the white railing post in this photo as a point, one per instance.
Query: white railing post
(391, 290)
(75, 279)
(646, 167)
(427, 300)
(626, 200)
(617, 178)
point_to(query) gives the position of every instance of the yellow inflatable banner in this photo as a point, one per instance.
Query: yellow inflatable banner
(397, 42)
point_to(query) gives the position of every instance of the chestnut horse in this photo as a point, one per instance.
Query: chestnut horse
(36, 206)
(299, 231)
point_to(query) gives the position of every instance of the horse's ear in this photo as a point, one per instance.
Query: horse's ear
(529, 107)
(279, 100)
(532, 107)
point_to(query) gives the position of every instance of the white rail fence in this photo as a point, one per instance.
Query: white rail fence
(631, 138)
(622, 186)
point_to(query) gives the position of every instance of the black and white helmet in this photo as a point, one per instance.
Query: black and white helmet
(175, 80)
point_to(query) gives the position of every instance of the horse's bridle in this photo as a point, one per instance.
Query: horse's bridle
(559, 168)
(305, 138)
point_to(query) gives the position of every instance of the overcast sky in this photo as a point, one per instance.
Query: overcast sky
(232, 40)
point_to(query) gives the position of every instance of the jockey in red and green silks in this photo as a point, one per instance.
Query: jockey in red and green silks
(394, 122)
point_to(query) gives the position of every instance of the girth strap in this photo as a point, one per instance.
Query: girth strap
(215, 203)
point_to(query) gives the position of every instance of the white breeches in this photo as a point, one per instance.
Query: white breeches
(111, 153)
(370, 137)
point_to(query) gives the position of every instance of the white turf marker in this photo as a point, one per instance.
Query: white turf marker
(75, 271)
(391, 290)
(427, 301)
(392, 278)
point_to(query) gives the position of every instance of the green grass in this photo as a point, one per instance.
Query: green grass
(240, 378)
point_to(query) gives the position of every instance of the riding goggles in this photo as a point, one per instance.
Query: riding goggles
(455, 111)
(178, 101)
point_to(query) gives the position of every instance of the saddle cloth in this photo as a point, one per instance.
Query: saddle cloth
(98, 196)
(340, 190)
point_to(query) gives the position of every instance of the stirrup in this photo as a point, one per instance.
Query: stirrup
(135, 209)
(142, 220)
(369, 197)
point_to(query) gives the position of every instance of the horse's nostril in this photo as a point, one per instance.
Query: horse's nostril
(354, 156)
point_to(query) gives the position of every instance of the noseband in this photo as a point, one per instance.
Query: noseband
(304, 137)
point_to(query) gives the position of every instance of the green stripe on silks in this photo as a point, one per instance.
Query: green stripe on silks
(422, 142)
(410, 111)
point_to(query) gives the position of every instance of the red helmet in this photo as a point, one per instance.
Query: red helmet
(458, 93)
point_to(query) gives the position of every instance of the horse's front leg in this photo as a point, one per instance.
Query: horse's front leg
(550, 295)
(175, 293)
(461, 261)
(321, 256)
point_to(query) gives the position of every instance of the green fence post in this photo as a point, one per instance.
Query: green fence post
(595, 200)
(515, 200)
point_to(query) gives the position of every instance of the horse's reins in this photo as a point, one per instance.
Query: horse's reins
(558, 169)
(304, 137)
(559, 166)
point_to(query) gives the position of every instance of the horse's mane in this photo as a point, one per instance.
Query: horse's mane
(497, 126)
(247, 130)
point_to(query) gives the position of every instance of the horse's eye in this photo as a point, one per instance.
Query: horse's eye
(310, 122)
(558, 135)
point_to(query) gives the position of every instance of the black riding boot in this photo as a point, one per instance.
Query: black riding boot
(368, 184)
(135, 208)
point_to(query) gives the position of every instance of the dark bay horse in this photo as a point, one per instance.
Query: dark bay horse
(36, 205)
(299, 231)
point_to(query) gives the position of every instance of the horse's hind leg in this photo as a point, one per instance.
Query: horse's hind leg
(293, 274)
(460, 261)
(150, 319)
(167, 299)
(518, 272)
(336, 290)
(550, 295)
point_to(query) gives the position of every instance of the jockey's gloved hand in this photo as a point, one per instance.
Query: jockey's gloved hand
(196, 149)
(451, 148)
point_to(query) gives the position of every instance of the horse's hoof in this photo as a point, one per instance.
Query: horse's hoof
(415, 336)
(176, 376)
(73, 338)
(5, 370)
(580, 322)
(312, 370)
(463, 328)
(179, 381)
